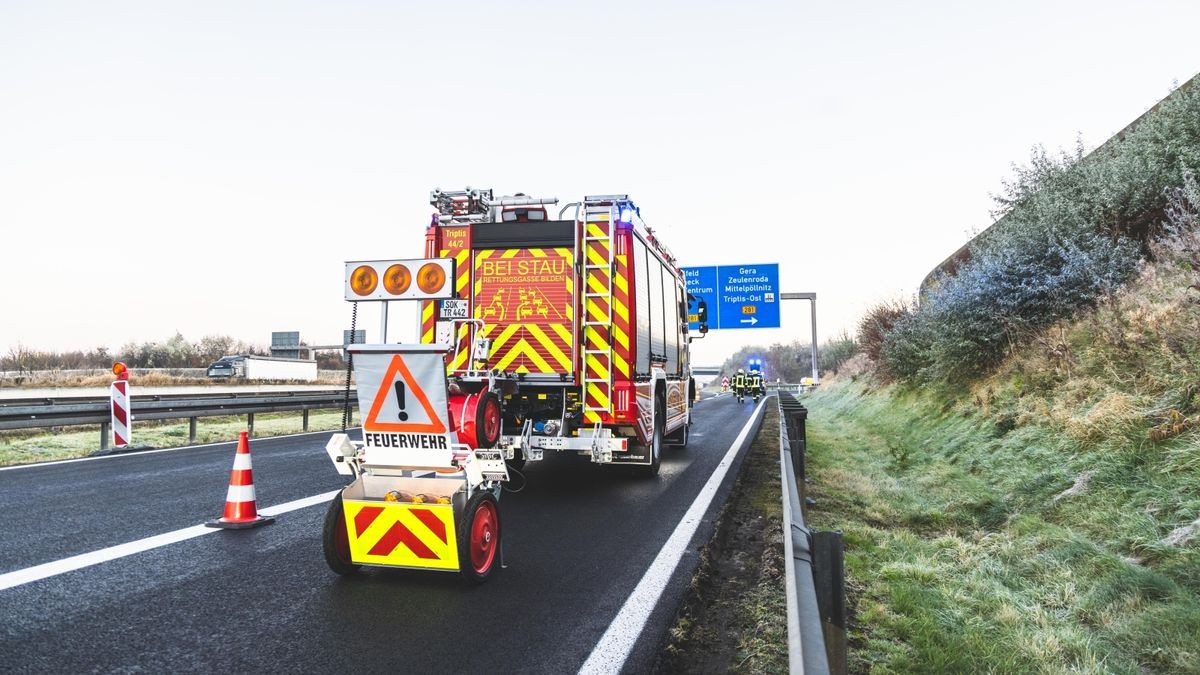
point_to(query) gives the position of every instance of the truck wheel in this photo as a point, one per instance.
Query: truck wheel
(656, 442)
(336, 541)
(479, 538)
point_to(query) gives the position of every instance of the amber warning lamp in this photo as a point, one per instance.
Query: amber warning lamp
(120, 370)
(422, 279)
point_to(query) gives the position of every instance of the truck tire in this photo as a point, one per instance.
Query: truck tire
(479, 538)
(656, 442)
(336, 541)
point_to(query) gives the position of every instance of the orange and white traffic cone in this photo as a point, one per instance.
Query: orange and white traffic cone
(240, 509)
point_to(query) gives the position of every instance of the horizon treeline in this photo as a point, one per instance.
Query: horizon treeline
(174, 352)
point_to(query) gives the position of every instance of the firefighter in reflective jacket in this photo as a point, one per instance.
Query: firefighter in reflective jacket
(756, 386)
(739, 384)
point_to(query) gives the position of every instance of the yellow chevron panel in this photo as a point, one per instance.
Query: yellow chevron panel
(595, 284)
(560, 329)
(619, 309)
(619, 279)
(595, 368)
(595, 313)
(594, 339)
(523, 348)
(622, 338)
(550, 346)
(594, 257)
(597, 392)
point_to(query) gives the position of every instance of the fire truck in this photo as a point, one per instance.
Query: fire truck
(567, 331)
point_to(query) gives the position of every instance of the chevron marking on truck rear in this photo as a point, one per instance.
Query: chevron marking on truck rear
(598, 317)
(620, 319)
(526, 297)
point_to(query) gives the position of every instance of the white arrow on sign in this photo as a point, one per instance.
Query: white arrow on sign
(752, 320)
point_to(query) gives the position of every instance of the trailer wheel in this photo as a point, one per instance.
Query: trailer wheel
(656, 442)
(336, 541)
(479, 538)
(487, 420)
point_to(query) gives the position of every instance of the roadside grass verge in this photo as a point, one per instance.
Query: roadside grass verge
(734, 616)
(39, 445)
(978, 546)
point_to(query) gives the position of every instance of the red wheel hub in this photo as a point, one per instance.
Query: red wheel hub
(484, 537)
(491, 421)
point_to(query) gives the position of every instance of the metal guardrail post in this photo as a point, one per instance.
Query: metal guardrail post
(191, 431)
(250, 424)
(305, 417)
(829, 575)
(104, 431)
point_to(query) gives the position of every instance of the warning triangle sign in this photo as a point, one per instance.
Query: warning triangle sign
(401, 403)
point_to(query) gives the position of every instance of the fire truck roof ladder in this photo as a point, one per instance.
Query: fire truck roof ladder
(469, 205)
(598, 270)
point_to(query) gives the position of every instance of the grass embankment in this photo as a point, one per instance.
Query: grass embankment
(36, 445)
(979, 539)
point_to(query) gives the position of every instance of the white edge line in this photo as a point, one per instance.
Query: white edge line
(614, 647)
(143, 453)
(75, 562)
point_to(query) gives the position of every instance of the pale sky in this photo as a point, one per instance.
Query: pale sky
(207, 167)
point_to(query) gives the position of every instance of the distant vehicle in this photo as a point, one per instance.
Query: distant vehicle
(263, 368)
(226, 366)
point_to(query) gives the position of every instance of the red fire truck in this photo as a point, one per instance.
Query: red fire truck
(568, 330)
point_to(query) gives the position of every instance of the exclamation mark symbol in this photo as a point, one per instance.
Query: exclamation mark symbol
(400, 400)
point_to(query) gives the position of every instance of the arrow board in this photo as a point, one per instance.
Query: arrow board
(404, 395)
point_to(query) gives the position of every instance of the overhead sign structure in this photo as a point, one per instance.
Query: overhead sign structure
(735, 296)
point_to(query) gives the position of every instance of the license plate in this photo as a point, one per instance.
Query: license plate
(454, 309)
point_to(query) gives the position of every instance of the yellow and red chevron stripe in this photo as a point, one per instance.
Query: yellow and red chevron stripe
(621, 319)
(401, 535)
(455, 242)
(526, 298)
(598, 333)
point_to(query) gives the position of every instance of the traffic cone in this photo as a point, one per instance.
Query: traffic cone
(240, 511)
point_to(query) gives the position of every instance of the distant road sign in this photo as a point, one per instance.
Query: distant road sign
(738, 296)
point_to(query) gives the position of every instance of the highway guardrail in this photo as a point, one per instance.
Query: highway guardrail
(33, 413)
(813, 561)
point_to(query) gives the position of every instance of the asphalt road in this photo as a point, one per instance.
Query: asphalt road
(578, 538)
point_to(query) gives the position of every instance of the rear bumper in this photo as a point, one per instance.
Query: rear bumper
(531, 447)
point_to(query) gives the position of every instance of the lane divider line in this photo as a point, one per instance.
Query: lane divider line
(614, 647)
(75, 562)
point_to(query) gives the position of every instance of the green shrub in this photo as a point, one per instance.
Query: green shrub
(1072, 230)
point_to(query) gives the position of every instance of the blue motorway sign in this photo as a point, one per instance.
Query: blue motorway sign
(734, 296)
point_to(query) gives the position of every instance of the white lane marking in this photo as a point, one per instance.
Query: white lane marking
(614, 646)
(143, 453)
(75, 562)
